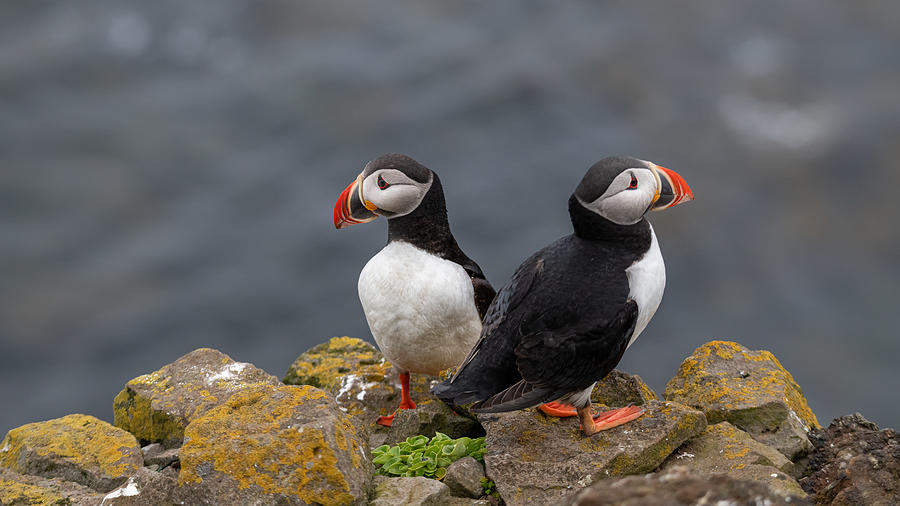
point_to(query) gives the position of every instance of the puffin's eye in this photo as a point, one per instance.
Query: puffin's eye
(382, 184)
(634, 183)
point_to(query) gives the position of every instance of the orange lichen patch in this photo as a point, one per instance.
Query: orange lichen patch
(80, 439)
(259, 438)
(707, 380)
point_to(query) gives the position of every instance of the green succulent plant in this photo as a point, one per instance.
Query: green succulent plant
(419, 456)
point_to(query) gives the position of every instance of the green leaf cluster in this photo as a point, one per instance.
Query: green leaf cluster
(419, 456)
(488, 486)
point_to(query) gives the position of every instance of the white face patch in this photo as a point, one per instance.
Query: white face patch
(628, 196)
(393, 191)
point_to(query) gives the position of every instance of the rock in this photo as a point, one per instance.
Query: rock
(146, 488)
(156, 407)
(151, 450)
(537, 459)
(427, 419)
(620, 389)
(464, 478)
(275, 445)
(164, 459)
(725, 449)
(362, 382)
(853, 462)
(678, 486)
(749, 389)
(23, 489)
(463, 501)
(78, 448)
(157, 455)
(418, 491)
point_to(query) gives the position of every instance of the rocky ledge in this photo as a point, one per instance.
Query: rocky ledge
(732, 427)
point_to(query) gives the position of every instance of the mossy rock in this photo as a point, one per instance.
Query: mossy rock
(275, 445)
(620, 389)
(77, 448)
(156, 407)
(362, 382)
(749, 389)
(724, 449)
(537, 459)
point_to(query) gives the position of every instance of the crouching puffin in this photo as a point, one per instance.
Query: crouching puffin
(422, 296)
(569, 312)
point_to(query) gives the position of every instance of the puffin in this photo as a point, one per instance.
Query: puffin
(423, 298)
(569, 312)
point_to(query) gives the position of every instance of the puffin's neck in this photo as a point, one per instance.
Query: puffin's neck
(593, 227)
(427, 226)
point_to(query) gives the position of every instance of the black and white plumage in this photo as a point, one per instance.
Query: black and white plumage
(569, 312)
(422, 296)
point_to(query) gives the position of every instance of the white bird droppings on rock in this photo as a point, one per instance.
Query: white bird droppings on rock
(129, 489)
(227, 373)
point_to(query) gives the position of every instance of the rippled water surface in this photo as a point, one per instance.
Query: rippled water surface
(168, 171)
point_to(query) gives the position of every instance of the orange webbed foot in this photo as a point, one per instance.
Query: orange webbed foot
(558, 409)
(607, 419)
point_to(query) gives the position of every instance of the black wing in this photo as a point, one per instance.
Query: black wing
(554, 360)
(506, 301)
(496, 365)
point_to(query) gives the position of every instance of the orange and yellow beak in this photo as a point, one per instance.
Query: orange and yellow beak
(351, 208)
(673, 189)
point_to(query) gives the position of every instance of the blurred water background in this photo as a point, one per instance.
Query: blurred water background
(168, 171)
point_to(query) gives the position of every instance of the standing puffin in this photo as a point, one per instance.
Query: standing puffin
(565, 318)
(422, 296)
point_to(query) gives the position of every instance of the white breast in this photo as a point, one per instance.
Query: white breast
(646, 282)
(420, 308)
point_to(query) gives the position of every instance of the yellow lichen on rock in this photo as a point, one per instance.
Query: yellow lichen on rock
(135, 413)
(724, 449)
(750, 389)
(620, 389)
(156, 407)
(78, 447)
(288, 441)
(325, 365)
(701, 382)
(362, 382)
(15, 492)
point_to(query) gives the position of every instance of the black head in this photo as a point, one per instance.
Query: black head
(621, 189)
(391, 185)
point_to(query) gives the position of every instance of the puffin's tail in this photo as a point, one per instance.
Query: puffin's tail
(520, 395)
(456, 393)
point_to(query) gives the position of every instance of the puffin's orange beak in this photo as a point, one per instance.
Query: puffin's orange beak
(349, 208)
(673, 189)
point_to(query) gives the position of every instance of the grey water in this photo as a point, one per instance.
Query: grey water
(168, 172)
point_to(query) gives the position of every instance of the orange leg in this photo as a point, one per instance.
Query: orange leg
(406, 401)
(607, 419)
